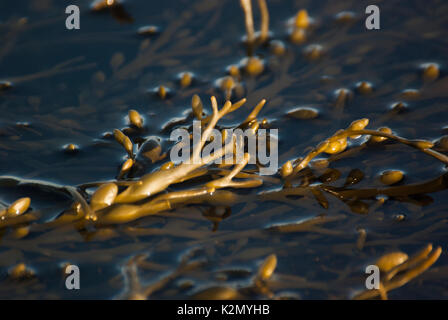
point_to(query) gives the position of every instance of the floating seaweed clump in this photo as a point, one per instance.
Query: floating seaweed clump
(298, 211)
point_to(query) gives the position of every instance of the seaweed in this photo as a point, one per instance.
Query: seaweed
(132, 205)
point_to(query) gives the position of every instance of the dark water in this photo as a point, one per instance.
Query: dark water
(72, 86)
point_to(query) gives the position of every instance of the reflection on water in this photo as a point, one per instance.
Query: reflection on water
(63, 92)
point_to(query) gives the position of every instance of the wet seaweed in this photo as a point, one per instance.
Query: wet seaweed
(151, 198)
